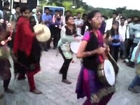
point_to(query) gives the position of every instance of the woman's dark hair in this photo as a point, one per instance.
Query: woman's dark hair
(32, 18)
(67, 17)
(90, 16)
(105, 17)
(32, 22)
(84, 15)
(23, 9)
(112, 31)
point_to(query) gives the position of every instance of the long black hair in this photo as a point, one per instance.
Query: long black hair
(89, 17)
(32, 22)
(68, 31)
(113, 31)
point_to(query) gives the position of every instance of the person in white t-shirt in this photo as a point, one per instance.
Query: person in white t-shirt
(122, 31)
(79, 23)
(110, 21)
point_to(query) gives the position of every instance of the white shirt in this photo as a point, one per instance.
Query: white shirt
(109, 24)
(122, 31)
(78, 22)
(63, 20)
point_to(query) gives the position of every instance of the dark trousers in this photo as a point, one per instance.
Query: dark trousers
(114, 51)
(6, 83)
(122, 50)
(52, 34)
(43, 46)
(56, 36)
(135, 82)
(65, 66)
(128, 44)
(132, 48)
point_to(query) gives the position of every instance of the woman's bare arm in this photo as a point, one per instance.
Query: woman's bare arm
(81, 51)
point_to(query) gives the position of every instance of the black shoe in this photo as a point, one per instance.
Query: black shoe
(54, 47)
(133, 90)
(66, 81)
(130, 64)
(60, 72)
(9, 91)
(1, 96)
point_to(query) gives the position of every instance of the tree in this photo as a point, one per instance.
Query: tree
(82, 7)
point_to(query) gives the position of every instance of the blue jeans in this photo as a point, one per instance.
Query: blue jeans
(136, 81)
(122, 49)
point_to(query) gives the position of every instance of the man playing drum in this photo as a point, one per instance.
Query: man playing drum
(26, 49)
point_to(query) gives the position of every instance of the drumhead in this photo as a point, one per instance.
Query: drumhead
(45, 36)
(109, 72)
(75, 45)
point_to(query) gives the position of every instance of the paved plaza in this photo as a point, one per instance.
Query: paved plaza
(57, 93)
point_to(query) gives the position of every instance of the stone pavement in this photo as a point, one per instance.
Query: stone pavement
(57, 93)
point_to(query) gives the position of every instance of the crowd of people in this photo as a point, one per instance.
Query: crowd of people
(118, 35)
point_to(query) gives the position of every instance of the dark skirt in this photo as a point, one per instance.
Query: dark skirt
(5, 69)
(88, 84)
(28, 63)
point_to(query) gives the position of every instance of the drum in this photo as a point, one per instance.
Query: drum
(75, 45)
(106, 73)
(45, 36)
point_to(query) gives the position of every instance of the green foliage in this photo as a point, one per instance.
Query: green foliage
(82, 7)
(67, 5)
(124, 11)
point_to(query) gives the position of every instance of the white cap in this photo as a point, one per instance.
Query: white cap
(34, 10)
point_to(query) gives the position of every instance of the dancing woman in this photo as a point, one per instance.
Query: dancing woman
(26, 49)
(5, 66)
(114, 39)
(67, 36)
(91, 51)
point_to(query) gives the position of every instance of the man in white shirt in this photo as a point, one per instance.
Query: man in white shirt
(34, 13)
(110, 21)
(79, 23)
(122, 31)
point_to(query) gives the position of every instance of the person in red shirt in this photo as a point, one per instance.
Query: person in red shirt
(27, 49)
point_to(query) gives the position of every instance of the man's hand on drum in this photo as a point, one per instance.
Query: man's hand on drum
(39, 32)
(101, 50)
(78, 40)
(107, 47)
